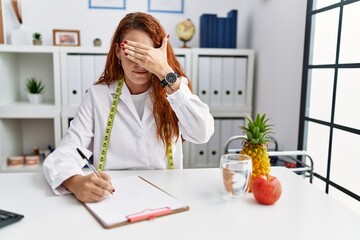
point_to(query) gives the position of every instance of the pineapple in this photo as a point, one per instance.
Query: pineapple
(256, 143)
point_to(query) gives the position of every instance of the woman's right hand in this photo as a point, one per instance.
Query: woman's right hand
(89, 188)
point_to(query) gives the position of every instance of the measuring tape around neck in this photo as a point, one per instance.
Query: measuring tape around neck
(108, 129)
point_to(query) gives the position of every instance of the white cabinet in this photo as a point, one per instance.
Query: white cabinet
(25, 126)
(223, 78)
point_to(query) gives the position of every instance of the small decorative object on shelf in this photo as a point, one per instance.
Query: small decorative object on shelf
(97, 42)
(15, 161)
(35, 88)
(185, 30)
(37, 40)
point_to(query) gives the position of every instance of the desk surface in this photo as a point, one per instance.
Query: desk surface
(302, 212)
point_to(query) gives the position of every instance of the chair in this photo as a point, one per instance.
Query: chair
(298, 157)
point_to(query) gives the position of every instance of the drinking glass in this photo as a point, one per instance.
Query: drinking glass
(236, 173)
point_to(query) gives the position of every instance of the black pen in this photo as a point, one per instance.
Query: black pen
(92, 168)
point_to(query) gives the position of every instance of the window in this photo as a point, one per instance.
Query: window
(330, 105)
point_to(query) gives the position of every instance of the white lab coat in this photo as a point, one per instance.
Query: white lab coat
(133, 142)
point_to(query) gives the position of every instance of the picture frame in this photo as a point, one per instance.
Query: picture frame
(107, 4)
(62, 37)
(166, 6)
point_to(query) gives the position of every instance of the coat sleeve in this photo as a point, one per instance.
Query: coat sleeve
(64, 161)
(195, 121)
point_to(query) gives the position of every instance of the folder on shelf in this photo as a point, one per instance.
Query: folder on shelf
(99, 65)
(214, 145)
(134, 200)
(228, 79)
(215, 81)
(87, 72)
(74, 79)
(240, 81)
(204, 79)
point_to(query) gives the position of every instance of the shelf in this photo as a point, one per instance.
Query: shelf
(24, 126)
(37, 168)
(28, 49)
(229, 112)
(28, 110)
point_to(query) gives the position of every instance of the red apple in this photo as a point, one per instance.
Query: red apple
(266, 189)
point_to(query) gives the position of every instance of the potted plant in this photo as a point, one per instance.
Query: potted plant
(37, 40)
(35, 89)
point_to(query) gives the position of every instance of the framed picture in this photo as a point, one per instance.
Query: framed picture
(166, 6)
(107, 4)
(66, 37)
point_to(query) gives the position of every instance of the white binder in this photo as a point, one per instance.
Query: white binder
(240, 81)
(204, 79)
(236, 123)
(181, 60)
(87, 72)
(99, 64)
(74, 79)
(214, 151)
(201, 155)
(228, 81)
(215, 81)
(226, 126)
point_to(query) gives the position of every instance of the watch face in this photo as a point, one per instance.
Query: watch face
(171, 77)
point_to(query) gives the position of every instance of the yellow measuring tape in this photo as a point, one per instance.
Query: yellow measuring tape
(108, 130)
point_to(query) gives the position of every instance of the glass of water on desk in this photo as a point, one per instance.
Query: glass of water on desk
(236, 173)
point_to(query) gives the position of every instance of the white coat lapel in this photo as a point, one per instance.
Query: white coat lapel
(126, 98)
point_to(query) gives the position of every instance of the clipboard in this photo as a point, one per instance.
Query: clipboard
(135, 199)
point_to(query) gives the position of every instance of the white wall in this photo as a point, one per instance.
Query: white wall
(45, 15)
(274, 28)
(278, 30)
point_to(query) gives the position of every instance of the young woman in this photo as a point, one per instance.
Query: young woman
(135, 117)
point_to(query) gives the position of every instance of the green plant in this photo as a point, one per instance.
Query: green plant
(34, 85)
(36, 36)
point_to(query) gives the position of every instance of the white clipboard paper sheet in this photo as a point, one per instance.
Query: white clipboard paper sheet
(135, 199)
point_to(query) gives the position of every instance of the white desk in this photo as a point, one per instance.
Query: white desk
(302, 212)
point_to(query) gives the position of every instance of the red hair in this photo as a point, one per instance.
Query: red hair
(165, 118)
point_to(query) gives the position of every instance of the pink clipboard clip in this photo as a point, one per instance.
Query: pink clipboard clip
(148, 214)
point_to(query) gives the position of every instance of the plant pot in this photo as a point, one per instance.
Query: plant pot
(35, 98)
(97, 43)
(37, 41)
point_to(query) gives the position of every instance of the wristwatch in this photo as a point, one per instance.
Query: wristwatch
(169, 79)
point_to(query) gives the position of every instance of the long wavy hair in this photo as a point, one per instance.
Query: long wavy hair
(165, 118)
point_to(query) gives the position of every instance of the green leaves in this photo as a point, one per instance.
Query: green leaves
(34, 85)
(258, 130)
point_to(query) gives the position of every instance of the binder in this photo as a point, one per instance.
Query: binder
(74, 79)
(226, 126)
(227, 93)
(181, 60)
(240, 81)
(201, 155)
(232, 16)
(135, 200)
(99, 65)
(215, 81)
(236, 123)
(204, 79)
(214, 145)
(87, 72)
(221, 32)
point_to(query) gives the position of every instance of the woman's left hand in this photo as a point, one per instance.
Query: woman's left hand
(152, 59)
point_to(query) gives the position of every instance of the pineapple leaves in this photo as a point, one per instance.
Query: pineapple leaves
(258, 130)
